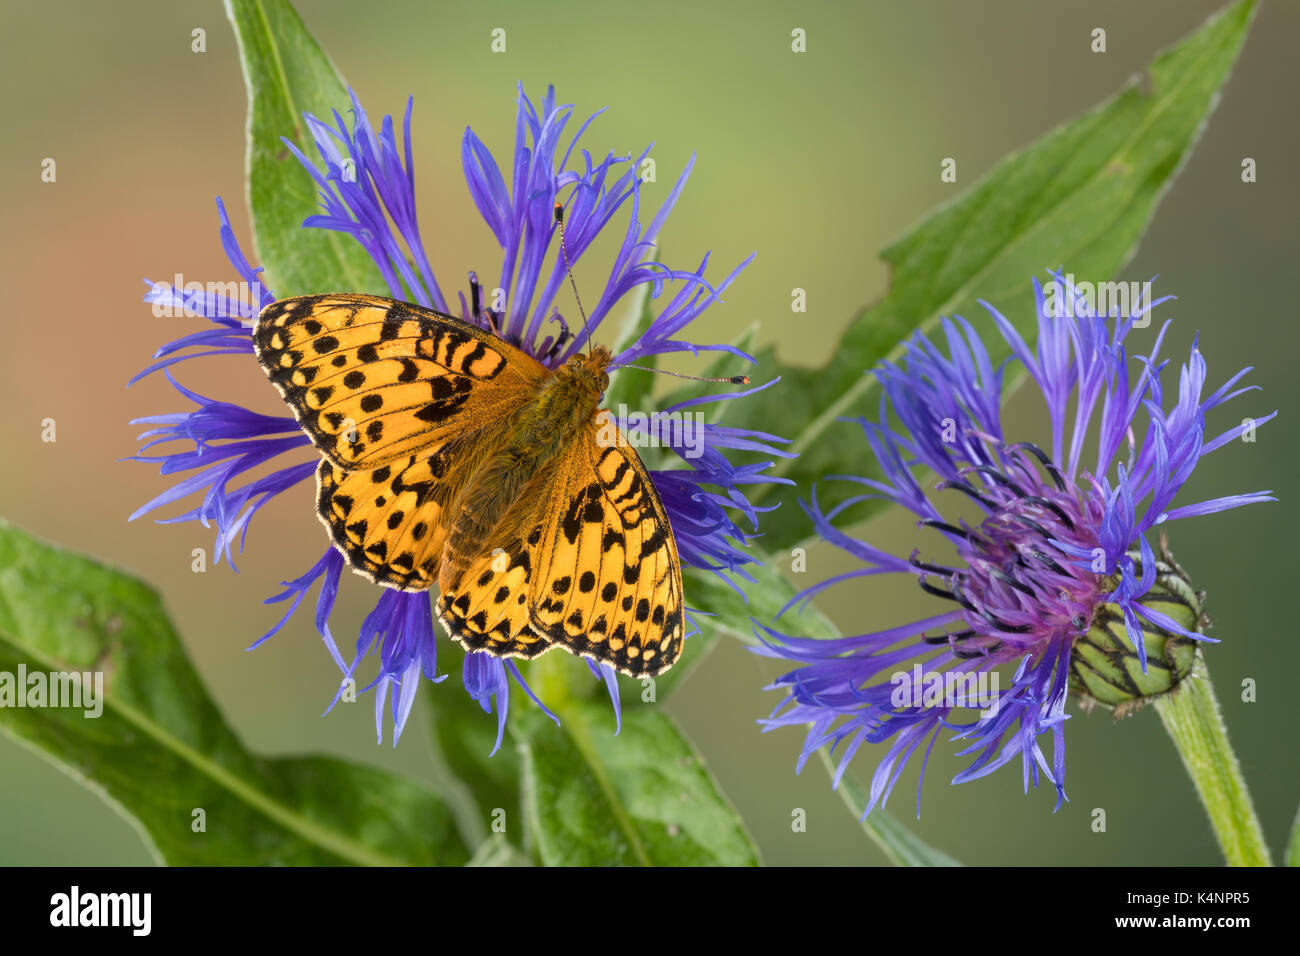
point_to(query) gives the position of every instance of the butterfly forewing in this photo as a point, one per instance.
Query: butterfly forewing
(373, 381)
(402, 402)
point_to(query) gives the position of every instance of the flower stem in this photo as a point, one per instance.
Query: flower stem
(1192, 717)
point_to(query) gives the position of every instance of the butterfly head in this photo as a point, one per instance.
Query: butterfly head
(589, 371)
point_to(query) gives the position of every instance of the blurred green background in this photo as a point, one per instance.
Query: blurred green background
(817, 161)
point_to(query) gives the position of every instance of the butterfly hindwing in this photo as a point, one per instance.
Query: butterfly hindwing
(373, 381)
(589, 564)
(485, 607)
(388, 521)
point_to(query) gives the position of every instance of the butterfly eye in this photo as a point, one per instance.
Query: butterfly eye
(603, 381)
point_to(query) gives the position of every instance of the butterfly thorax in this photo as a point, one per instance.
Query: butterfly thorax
(585, 376)
(532, 442)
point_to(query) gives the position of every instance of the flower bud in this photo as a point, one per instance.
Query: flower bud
(1105, 667)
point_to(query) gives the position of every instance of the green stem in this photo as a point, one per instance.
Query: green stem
(1193, 719)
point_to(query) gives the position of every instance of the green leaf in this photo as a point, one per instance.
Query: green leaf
(1081, 198)
(1293, 846)
(762, 601)
(160, 750)
(498, 851)
(476, 781)
(287, 74)
(643, 798)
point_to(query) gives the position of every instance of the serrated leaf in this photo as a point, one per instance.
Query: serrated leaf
(287, 74)
(1079, 198)
(160, 749)
(643, 798)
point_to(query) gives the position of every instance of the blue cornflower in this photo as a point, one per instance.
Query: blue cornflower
(1056, 579)
(371, 198)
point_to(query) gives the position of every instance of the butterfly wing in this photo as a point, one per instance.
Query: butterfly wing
(609, 581)
(587, 561)
(391, 522)
(403, 403)
(373, 381)
(485, 607)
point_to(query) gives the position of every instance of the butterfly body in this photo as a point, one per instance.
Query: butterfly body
(565, 402)
(451, 457)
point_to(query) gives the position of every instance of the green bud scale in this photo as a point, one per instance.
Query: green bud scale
(1104, 665)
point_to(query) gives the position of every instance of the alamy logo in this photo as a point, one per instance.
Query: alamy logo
(1103, 298)
(134, 910)
(75, 689)
(916, 688)
(681, 431)
(203, 300)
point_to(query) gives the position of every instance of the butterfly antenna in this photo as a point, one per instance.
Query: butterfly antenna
(564, 248)
(730, 380)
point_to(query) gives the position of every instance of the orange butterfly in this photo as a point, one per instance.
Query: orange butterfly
(452, 456)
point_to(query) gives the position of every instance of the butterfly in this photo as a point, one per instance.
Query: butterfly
(450, 456)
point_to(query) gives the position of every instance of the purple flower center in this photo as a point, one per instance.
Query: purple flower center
(1019, 584)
